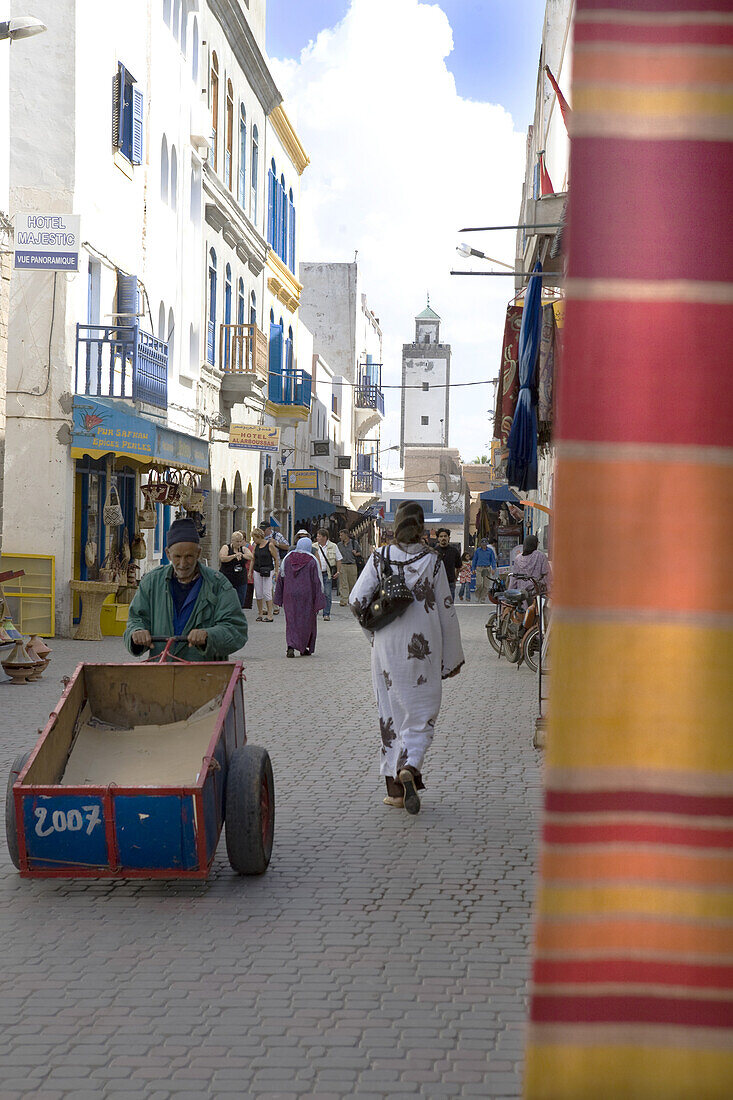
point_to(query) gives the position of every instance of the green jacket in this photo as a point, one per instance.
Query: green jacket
(216, 610)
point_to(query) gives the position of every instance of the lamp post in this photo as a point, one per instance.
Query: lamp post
(23, 26)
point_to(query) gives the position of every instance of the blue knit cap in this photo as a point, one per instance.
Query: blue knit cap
(181, 530)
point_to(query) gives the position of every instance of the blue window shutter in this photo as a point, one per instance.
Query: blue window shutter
(275, 364)
(270, 207)
(291, 236)
(137, 126)
(283, 219)
(118, 88)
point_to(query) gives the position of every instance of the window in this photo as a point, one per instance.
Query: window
(214, 108)
(195, 204)
(424, 420)
(170, 336)
(174, 179)
(164, 170)
(272, 206)
(127, 116)
(227, 314)
(241, 189)
(184, 28)
(426, 386)
(255, 167)
(167, 12)
(282, 219)
(195, 50)
(253, 308)
(211, 318)
(175, 25)
(291, 233)
(229, 136)
(161, 322)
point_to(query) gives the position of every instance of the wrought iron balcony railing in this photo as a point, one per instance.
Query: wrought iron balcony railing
(366, 481)
(369, 396)
(292, 387)
(121, 361)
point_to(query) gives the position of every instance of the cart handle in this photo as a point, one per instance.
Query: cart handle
(170, 641)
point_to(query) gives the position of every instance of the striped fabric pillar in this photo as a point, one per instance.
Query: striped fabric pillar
(633, 953)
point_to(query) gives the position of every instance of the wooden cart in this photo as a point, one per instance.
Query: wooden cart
(135, 773)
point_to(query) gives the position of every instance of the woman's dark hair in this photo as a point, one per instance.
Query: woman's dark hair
(409, 523)
(530, 544)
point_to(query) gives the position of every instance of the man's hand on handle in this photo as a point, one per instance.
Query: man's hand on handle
(142, 638)
(198, 638)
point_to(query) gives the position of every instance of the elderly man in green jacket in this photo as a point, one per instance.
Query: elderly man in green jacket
(188, 599)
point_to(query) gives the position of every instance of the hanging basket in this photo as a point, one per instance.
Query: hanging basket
(146, 519)
(112, 511)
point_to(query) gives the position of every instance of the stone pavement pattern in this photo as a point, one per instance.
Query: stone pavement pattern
(380, 955)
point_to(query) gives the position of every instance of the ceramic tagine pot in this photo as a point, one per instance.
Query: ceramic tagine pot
(8, 629)
(37, 648)
(19, 665)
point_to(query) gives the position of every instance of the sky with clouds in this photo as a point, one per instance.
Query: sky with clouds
(414, 116)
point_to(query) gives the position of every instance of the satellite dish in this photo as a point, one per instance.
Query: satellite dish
(432, 487)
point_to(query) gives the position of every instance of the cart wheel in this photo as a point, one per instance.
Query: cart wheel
(250, 810)
(11, 825)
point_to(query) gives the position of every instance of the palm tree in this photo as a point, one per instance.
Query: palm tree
(482, 460)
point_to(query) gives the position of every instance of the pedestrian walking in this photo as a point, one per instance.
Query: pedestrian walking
(484, 565)
(300, 592)
(348, 571)
(531, 562)
(464, 579)
(266, 562)
(329, 559)
(233, 559)
(450, 557)
(411, 655)
(272, 532)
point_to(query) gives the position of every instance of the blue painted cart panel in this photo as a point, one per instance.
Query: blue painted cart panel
(65, 830)
(155, 831)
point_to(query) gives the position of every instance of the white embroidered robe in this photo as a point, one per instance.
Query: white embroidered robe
(411, 656)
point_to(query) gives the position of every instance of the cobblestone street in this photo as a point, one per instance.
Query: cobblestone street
(380, 955)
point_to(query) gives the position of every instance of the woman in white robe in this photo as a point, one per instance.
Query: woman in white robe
(410, 656)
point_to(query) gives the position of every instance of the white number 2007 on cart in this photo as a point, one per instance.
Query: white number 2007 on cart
(62, 821)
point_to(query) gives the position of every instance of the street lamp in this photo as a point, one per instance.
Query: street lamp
(466, 250)
(23, 26)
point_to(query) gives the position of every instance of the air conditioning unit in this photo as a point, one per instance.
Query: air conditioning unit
(320, 448)
(343, 462)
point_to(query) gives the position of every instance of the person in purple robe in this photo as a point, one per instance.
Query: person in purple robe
(299, 590)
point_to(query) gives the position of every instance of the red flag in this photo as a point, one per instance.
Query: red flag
(546, 187)
(562, 101)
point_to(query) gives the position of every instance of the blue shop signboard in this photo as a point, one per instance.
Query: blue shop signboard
(103, 427)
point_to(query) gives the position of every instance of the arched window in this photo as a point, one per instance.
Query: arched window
(211, 312)
(184, 27)
(272, 205)
(272, 317)
(229, 136)
(241, 189)
(174, 178)
(282, 220)
(253, 308)
(167, 12)
(227, 315)
(161, 321)
(195, 49)
(164, 170)
(288, 348)
(193, 349)
(214, 109)
(241, 320)
(255, 170)
(291, 232)
(171, 335)
(195, 204)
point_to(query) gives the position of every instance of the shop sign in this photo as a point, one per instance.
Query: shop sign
(302, 479)
(47, 242)
(320, 448)
(254, 437)
(101, 427)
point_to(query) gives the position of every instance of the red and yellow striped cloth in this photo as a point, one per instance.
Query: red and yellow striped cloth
(633, 957)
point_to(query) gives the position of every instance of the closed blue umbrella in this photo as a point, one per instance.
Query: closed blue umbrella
(522, 441)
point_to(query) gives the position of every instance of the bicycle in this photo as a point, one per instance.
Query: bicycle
(506, 627)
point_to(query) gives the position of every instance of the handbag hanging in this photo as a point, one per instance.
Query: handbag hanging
(391, 598)
(139, 549)
(112, 511)
(90, 553)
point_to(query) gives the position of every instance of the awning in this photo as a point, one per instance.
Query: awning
(307, 507)
(501, 495)
(106, 427)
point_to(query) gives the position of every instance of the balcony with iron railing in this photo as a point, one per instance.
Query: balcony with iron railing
(121, 361)
(368, 395)
(366, 481)
(243, 361)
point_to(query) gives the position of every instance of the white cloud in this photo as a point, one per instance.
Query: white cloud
(399, 161)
